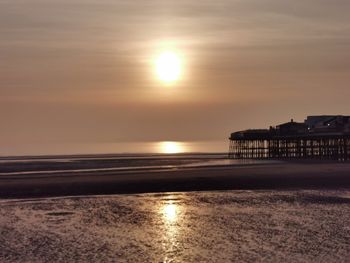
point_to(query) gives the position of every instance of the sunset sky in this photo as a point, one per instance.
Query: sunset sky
(84, 71)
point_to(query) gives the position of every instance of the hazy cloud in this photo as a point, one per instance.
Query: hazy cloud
(81, 70)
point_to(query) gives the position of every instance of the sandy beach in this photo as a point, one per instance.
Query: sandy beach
(173, 209)
(215, 226)
(37, 178)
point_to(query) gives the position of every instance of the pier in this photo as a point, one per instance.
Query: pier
(325, 137)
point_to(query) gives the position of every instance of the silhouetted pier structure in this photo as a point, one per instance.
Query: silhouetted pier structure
(318, 137)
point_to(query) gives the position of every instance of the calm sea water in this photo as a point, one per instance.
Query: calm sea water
(165, 147)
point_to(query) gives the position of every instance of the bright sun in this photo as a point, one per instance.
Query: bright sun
(168, 66)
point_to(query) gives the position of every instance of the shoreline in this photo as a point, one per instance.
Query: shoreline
(287, 175)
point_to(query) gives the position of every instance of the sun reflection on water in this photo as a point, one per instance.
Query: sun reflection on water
(171, 147)
(171, 212)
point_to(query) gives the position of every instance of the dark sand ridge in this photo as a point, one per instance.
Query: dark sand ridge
(268, 176)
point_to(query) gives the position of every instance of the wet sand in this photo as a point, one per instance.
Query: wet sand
(226, 226)
(167, 211)
(239, 177)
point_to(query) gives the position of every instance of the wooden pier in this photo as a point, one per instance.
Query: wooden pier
(318, 147)
(290, 141)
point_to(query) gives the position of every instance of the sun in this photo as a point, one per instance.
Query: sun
(168, 66)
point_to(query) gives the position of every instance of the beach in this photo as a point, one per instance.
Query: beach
(193, 208)
(215, 226)
(144, 174)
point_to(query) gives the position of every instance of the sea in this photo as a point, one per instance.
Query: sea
(150, 147)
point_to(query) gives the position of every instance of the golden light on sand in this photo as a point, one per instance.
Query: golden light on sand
(171, 147)
(168, 66)
(170, 212)
(173, 220)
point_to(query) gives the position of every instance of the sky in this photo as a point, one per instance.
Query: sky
(83, 70)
